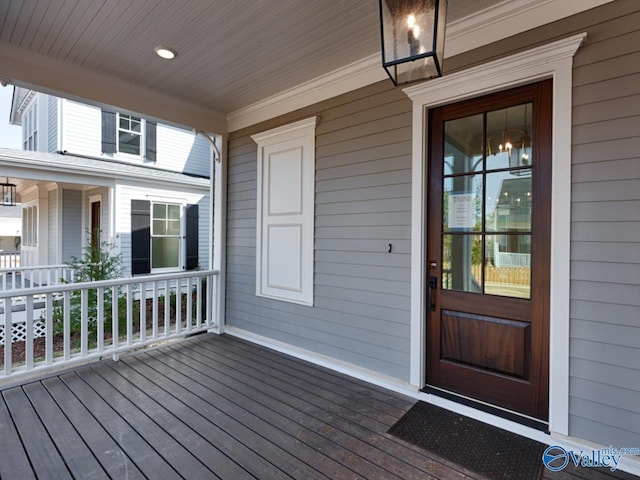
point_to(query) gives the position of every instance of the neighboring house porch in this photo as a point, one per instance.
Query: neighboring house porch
(66, 199)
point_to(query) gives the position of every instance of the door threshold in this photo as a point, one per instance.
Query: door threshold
(493, 410)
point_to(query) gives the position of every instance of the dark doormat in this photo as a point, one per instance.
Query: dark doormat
(481, 448)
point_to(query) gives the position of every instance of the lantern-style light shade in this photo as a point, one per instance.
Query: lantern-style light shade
(412, 34)
(8, 192)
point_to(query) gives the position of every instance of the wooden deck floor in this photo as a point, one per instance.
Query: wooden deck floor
(208, 407)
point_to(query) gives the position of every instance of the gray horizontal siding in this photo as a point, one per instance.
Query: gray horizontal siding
(72, 233)
(604, 403)
(363, 201)
(52, 225)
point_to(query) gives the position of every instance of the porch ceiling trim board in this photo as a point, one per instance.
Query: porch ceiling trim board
(553, 60)
(491, 25)
(43, 73)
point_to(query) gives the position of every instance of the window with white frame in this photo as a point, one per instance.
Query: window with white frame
(30, 226)
(129, 134)
(30, 128)
(285, 212)
(165, 236)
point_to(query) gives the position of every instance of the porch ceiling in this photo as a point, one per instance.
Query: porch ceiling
(233, 57)
(229, 54)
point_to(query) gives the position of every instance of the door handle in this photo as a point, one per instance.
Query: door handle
(431, 286)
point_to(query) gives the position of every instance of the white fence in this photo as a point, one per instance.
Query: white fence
(506, 259)
(82, 321)
(9, 259)
(38, 276)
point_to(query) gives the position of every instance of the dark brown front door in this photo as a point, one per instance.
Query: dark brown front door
(489, 207)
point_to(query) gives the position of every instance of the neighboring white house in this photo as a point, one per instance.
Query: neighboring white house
(143, 185)
(10, 229)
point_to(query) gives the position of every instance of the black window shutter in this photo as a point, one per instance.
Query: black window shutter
(140, 236)
(150, 141)
(108, 131)
(192, 237)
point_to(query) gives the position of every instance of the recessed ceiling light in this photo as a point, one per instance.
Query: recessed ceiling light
(165, 52)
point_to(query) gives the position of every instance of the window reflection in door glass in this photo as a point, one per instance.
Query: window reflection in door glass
(508, 201)
(463, 145)
(462, 263)
(507, 268)
(509, 137)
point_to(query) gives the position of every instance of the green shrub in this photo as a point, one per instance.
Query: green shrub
(98, 262)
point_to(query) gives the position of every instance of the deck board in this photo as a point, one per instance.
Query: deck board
(43, 454)
(190, 430)
(305, 404)
(76, 455)
(150, 463)
(246, 447)
(164, 441)
(313, 434)
(14, 456)
(114, 460)
(209, 407)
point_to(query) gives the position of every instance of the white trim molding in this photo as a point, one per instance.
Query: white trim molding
(492, 24)
(509, 18)
(356, 75)
(553, 61)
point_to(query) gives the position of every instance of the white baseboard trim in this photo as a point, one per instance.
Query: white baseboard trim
(627, 464)
(331, 363)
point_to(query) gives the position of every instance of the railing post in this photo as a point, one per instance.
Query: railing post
(100, 319)
(178, 305)
(189, 306)
(66, 324)
(84, 321)
(115, 328)
(8, 335)
(48, 305)
(167, 308)
(129, 315)
(154, 311)
(199, 302)
(143, 311)
(209, 319)
(28, 338)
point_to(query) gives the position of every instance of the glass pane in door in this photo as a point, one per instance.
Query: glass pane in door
(508, 201)
(507, 267)
(462, 263)
(463, 145)
(462, 203)
(509, 136)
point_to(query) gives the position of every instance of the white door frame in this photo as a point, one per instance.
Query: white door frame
(555, 61)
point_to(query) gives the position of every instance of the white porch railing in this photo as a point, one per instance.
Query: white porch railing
(9, 259)
(37, 276)
(506, 259)
(83, 321)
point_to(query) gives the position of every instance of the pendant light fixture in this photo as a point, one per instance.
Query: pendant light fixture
(412, 33)
(8, 192)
